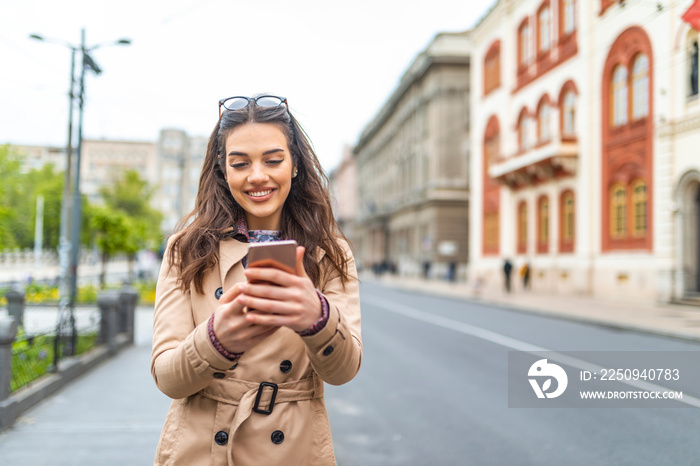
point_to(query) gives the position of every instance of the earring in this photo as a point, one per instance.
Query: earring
(295, 173)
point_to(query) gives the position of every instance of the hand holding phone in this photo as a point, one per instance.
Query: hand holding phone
(279, 254)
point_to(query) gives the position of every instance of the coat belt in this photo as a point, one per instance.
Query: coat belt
(249, 396)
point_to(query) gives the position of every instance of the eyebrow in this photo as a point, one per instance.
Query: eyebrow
(267, 152)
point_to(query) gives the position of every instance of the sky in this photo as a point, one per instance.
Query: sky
(336, 62)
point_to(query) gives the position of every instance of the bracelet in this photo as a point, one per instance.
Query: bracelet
(320, 323)
(217, 344)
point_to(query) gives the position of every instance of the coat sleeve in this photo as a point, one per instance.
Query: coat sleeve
(183, 359)
(336, 351)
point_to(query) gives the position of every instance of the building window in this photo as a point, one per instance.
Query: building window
(523, 130)
(640, 87)
(566, 232)
(491, 231)
(543, 224)
(543, 123)
(524, 48)
(569, 114)
(568, 18)
(543, 33)
(693, 69)
(492, 68)
(639, 204)
(522, 227)
(619, 96)
(618, 211)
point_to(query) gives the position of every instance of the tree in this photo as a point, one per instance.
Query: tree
(131, 195)
(112, 230)
(10, 194)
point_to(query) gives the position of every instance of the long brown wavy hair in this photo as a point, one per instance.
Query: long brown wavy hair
(307, 215)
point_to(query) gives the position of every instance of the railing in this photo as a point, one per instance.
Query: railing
(31, 347)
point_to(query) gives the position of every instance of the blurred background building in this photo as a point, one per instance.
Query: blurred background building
(171, 165)
(412, 165)
(343, 181)
(585, 129)
(180, 159)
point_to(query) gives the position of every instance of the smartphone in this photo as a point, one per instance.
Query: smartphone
(280, 254)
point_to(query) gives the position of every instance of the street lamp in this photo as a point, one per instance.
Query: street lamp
(69, 270)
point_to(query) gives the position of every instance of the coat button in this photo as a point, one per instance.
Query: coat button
(219, 375)
(329, 349)
(221, 437)
(286, 366)
(277, 437)
(233, 367)
(219, 291)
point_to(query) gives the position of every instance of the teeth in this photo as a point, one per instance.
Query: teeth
(260, 193)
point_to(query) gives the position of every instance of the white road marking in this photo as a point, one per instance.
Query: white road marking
(508, 342)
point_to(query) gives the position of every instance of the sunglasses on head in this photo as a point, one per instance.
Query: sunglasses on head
(238, 102)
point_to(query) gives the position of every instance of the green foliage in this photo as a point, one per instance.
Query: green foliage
(33, 356)
(18, 200)
(132, 195)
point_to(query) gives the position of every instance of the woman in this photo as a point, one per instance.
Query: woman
(248, 385)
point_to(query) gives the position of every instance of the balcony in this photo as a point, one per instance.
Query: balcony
(552, 160)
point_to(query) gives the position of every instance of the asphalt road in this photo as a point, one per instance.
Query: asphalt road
(433, 390)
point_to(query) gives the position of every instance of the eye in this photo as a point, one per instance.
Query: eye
(274, 162)
(238, 165)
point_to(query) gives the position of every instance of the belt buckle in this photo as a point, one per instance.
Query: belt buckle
(256, 406)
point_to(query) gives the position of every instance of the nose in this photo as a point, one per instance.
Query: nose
(257, 174)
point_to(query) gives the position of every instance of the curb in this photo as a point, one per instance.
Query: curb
(69, 370)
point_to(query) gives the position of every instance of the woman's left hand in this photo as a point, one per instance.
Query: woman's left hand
(282, 299)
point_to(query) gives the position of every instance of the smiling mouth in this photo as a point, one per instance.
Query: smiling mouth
(259, 193)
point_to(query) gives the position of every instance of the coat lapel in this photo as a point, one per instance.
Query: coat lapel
(231, 252)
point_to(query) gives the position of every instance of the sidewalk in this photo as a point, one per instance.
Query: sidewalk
(678, 321)
(111, 416)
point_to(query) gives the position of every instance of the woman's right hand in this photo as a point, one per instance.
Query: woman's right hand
(231, 328)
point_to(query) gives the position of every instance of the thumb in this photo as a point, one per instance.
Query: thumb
(301, 271)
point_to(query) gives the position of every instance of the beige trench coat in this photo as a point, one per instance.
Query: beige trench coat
(222, 412)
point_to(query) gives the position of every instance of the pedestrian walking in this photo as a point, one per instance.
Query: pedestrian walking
(525, 275)
(245, 361)
(507, 269)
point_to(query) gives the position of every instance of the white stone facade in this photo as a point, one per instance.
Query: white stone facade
(631, 166)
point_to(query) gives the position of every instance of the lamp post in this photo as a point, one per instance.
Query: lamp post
(63, 242)
(69, 251)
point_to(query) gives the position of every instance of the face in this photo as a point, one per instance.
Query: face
(259, 172)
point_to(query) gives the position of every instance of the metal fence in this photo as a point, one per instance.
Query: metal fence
(36, 352)
(43, 335)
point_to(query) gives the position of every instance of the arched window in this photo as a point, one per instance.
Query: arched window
(640, 87)
(524, 45)
(566, 222)
(522, 227)
(543, 32)
(543, 123)
(568, 127)
(639, 206)
(492, 68)
(568, 18)
(543, 224)
(491, 189)
(618, 211)
(619, 96)
(491, 232)
(523, 131)
(693, 69)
